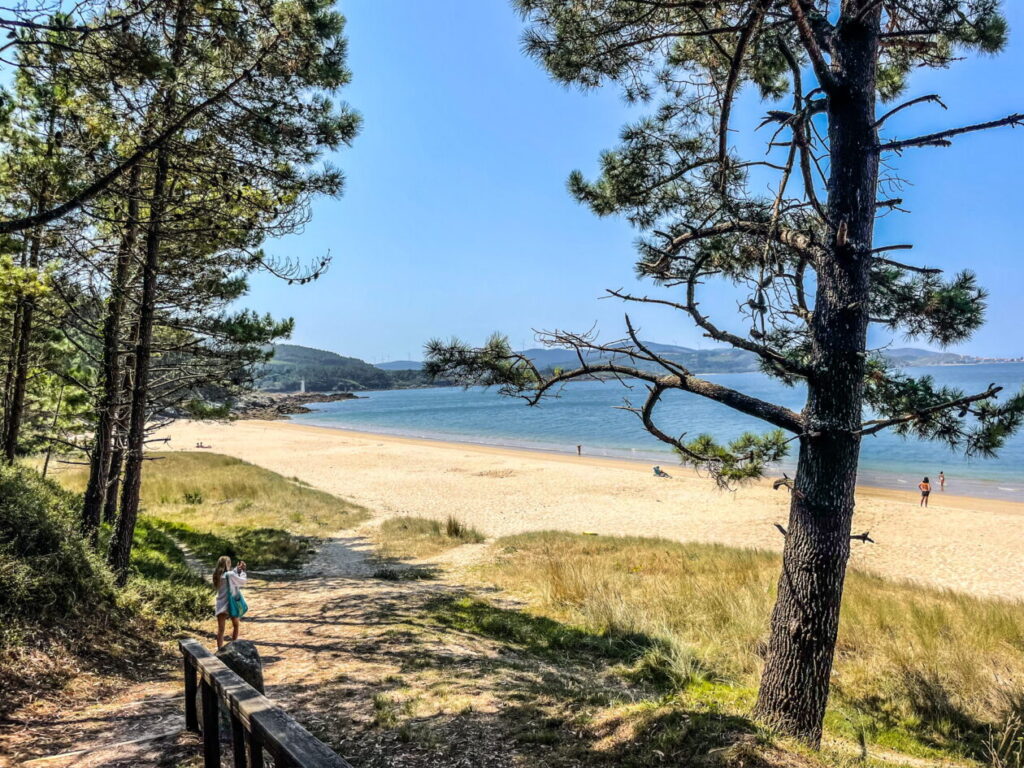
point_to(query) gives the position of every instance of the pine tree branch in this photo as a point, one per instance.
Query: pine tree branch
(798, 241)
(907, 267)
(811, 44)
(104, 181)
(931, 97)
(942, 138)
(774, 414)
(645, 413)
(746, 35)
(877, 425)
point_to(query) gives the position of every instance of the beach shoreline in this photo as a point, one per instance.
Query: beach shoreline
(963, 543)
(870, 479)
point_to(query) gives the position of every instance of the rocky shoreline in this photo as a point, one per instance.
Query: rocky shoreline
(279, 405)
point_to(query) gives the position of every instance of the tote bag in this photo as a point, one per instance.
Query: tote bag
(237, 606)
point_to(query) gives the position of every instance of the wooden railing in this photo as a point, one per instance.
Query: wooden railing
(258, 725)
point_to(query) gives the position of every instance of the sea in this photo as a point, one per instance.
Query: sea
(589, 414)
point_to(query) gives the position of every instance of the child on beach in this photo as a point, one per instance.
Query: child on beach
(227, 578)
(926, 489)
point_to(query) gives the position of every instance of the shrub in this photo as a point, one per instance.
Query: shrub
(48, 572)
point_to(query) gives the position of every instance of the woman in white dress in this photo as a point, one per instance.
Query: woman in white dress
(224, 578)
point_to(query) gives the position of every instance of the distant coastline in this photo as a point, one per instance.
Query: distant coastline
(294, 368)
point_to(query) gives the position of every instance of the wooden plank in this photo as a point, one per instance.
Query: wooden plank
(195, 649)
(270, 727)
(285, 738)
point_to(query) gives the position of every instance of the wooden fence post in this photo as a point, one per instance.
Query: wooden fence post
(238, 740)
(211, 727)
(255, 749)
(191, 717)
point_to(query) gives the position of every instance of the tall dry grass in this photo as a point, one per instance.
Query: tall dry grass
(916, 668)
(406, 536)
(211, 492)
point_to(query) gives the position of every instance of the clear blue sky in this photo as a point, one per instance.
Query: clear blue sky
(456, 220)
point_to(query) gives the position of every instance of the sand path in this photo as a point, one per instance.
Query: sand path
(361, 662)
(961, 543)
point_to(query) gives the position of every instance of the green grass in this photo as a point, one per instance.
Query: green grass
(162, 586)
(920, 671)
(218, 505)
(261, 548)
(418, 537)
(212, 492)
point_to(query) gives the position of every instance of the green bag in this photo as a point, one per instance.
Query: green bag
(237, 607)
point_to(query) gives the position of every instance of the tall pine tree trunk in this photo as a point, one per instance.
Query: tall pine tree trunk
(119, 555)
(15, 403)
(113, 485)
(121, 543)
(9, 374)
(100, 460)
(22, 345)
(795, 683)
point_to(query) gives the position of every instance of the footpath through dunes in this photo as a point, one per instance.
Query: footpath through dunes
(961, 543)
(412, 642)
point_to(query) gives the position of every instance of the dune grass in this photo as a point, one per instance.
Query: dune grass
(407, 537)
(925, 672)
(218, 505)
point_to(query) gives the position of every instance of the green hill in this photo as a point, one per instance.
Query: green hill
(325, 371)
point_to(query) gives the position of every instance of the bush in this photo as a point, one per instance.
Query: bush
(47, 570)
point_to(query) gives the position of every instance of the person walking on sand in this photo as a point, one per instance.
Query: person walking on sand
(942, 481)
(926, 489)
(230, 603)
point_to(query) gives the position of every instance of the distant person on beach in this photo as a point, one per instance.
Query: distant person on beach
(659, 472)
(942, 481)
(579, 450)
(926, 489)
(230, 603)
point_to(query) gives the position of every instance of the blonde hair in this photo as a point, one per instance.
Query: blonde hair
(224, 564)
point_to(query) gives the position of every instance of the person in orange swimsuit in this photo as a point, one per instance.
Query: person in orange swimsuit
(926, 489)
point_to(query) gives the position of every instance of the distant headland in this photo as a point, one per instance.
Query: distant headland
(295, 367)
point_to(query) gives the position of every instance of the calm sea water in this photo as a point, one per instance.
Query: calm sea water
(585, 414)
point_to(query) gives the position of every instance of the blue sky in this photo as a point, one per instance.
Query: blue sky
(456, 220)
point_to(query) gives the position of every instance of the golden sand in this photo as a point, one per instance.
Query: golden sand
(962, 543)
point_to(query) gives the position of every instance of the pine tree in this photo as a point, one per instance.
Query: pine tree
(240, 175)
(804, 257)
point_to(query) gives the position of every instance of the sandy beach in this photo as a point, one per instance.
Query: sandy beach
(962, 543)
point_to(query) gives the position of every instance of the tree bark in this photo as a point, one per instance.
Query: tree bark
(113, 486)
(795, 683)
(19, 383)
(100, 460)
(12, 364)
(121, 543)
(15, 405)
(119, 555)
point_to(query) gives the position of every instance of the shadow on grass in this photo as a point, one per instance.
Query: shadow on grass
(477, 684)
(261, 548)
(934, 719)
